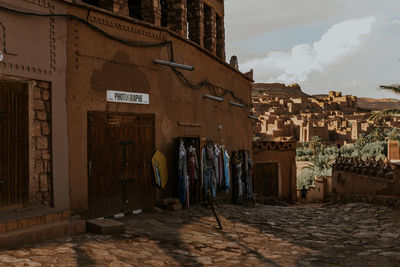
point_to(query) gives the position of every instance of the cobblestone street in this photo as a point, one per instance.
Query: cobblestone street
(313, 235)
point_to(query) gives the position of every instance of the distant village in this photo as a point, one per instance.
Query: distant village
(285, 112)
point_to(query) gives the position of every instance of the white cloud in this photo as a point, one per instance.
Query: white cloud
(297, 64)
(396, 22)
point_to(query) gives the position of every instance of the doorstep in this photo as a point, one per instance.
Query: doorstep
(34, 224)
(25, 217)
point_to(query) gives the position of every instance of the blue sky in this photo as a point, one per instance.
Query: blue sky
(349, 46)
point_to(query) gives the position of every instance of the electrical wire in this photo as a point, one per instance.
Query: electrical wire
(88, 24)
(205, 83)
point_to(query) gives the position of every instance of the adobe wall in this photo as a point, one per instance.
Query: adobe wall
(97, 64)
(34, 50)
(358, 178)
(201, 21)
(283, 153)
(321, 191)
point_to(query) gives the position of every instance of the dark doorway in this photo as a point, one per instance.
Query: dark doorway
(266, 179)
(14, 144)
(120, 148)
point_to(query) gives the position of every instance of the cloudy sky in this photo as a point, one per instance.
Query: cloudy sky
(344, 45)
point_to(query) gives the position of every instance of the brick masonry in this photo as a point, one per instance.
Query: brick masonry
(151, 11)
(210, 29)
(177, 16)
(117, 6)
(41, 180)
(196, 21)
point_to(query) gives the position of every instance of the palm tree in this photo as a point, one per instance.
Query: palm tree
(393, 134)
(376, 135)
(389, 112)
(316, 144)
(320, 165)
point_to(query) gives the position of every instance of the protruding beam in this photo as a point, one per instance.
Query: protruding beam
(173, 64)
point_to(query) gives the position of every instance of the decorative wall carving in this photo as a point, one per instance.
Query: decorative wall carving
(273, 145)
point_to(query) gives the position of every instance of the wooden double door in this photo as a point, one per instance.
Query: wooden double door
(266, 179)
(120, 148)
(14, 144)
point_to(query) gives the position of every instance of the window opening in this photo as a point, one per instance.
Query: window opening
(164, 13)
(135, 9)
(207, 27)
(91, 2)
(220, 48)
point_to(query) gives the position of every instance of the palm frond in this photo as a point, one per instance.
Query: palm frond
(381, 115)
(395, 88)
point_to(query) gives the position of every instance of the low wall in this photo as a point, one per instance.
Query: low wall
(321, 191)
(357, 177)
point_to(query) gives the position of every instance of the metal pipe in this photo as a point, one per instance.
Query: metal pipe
(173, 64)
(236, 104)
(216, 98)
(253, 117)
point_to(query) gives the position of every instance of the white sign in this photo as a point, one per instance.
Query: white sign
(127, 97)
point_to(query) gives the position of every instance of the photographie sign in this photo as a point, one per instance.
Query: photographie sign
(127, 97)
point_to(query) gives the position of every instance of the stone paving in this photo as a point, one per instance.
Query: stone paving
(297, 235)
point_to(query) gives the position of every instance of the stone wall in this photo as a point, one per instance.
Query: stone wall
(41, 181)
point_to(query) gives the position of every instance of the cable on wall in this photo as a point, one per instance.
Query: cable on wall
(205, 83)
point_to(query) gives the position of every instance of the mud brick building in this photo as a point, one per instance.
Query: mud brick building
(274, 171)
(84, 105)
(286, 111)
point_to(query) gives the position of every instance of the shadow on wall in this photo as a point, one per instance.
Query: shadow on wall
(120, 73)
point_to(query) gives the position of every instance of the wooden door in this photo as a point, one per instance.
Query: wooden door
(14, 144)
(120, 148)
(266, 179)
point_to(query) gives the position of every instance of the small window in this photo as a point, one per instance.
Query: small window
(164, 13)
(220, 37)
(207, 28)
(91, 2)
(135, 9)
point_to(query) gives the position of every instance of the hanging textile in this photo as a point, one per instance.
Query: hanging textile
(226, 171)
(249, 182)
(192, 166)
(182, 173)
(217, 153)
(208, 163)
(238, 182)
(221, 168)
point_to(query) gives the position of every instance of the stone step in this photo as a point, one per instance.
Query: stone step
(174, 207)
(105, 226)
(26, 217)
(41, 232)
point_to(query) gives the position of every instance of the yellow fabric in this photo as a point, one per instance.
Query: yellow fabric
(159, 162)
